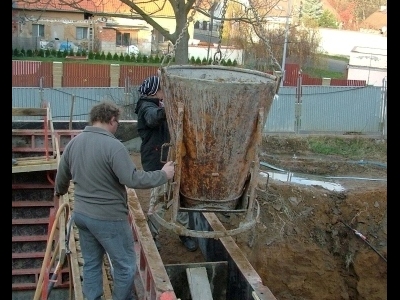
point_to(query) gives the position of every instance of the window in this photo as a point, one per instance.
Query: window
(81, 33)
(123, 39)
(37, 30)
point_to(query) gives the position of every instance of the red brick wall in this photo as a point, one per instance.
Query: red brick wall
(14, 23)
(108, 35)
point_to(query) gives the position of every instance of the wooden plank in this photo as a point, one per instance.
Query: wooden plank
(33, 286)
(29, 238)
(30, 221)
(76, 274)
(240, 261)
(34, 167)
(32, 186)
(26, 271)
(35, 271)
(29, 111)
(217, 272)
(32, 203)
(28, 255)
(198, 283)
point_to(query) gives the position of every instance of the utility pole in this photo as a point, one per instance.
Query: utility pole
(289, 8)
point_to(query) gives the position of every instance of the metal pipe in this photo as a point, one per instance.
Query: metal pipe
(361, 236)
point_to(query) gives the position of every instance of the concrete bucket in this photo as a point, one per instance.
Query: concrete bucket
(215, 115)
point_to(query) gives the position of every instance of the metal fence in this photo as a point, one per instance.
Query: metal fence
(316, 109)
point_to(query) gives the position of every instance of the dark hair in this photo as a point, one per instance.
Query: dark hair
(104, 112)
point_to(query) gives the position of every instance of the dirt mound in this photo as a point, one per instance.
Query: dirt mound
(311, 242)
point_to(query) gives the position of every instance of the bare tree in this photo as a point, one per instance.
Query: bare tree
(241, 22)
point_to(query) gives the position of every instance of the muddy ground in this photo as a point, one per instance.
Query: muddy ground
(302, 247)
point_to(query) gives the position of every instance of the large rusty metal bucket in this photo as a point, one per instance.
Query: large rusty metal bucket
(214, 115)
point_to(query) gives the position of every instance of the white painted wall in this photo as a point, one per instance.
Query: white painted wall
(342, 42)
(371, 76)
(368, 64)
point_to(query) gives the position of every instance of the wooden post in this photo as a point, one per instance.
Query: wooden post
(71, 112)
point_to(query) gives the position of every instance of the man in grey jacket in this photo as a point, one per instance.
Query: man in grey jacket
(101, 168)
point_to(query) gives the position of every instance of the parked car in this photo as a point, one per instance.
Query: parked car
(132, 49)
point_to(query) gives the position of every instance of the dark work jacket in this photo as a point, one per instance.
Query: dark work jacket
(152, 128)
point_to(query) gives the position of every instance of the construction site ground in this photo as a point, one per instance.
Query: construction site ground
(310, 242)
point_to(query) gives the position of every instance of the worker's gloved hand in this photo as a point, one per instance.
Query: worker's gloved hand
(169, 169)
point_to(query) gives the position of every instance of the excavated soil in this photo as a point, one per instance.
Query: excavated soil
(310, 242)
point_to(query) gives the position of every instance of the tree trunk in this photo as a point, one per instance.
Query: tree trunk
(182, 51)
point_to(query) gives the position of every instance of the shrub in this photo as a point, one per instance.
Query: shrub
(59, 53)
(102, 56)
(115, 56)
(145, 59)
(121, 57)
(97, 56)
(229, 62)
(198, 61)
(109, 56)
(71, 52)
(29, 53)
(22, 53)
(91, 55)
(192, 60)
(41, 53)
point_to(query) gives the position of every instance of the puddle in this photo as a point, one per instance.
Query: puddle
(291, 177)
(323, 181)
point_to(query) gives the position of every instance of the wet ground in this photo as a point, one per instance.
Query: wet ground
(314, 212)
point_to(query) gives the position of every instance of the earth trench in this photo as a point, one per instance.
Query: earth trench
(309, 241)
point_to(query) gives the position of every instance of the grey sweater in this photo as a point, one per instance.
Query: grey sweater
(100, 167)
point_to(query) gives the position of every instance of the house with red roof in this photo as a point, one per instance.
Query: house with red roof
(109, 26)
(376, 22)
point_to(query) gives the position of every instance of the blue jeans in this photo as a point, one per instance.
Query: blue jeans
(114, 237)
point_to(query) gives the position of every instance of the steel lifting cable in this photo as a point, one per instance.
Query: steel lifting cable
(364, 238)
(260, 31)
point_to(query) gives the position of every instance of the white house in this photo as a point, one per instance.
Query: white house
(368, 64)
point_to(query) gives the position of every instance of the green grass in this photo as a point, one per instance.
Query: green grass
(321, 73)
(338, 57)
(351, 147)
